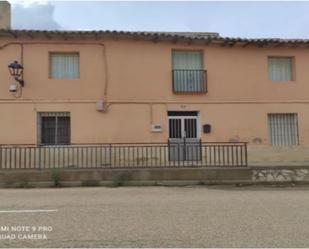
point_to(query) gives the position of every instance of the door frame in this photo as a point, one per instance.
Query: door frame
(182, 118)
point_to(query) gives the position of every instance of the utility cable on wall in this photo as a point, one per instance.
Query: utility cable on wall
(105, 87)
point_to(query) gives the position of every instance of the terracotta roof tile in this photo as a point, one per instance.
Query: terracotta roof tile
(194, 36)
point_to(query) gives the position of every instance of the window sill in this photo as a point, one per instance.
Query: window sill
(282, 81)
(64, 79)
(190, 93)
(53, 145)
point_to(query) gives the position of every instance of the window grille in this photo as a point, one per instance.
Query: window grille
(188, 74)
(54, 128)
(283, 129)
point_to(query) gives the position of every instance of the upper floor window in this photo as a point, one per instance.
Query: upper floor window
(188, 74)
(64, 65)
(280, 68)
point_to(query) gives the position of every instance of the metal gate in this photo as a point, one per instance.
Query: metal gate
(184, 140)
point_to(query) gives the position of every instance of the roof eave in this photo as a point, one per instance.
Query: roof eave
(208, 38)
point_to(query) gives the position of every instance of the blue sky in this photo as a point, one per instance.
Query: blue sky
(235, 19)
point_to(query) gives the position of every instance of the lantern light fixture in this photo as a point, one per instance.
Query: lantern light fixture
(16, 71)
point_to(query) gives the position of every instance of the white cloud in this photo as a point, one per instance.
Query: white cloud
(35, 15)
(27, 3)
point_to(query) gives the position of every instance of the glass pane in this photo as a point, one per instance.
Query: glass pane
(187, 60)
(190, 128)
(188, 74)
(48, 130)
(175, 128)
(280, 69)
(63, 130)
(64, 65)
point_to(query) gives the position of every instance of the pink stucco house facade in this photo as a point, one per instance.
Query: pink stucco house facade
(114, 87)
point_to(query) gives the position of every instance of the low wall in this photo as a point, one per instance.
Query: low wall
(267, 155)
(167, 176)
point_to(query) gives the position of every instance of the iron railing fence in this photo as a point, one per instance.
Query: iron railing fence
(136, 155)
(189, 81)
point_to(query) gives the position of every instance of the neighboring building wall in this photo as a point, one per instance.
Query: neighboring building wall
(5, 15)
(139, 93)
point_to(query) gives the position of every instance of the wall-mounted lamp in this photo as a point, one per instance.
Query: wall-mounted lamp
(16, 70)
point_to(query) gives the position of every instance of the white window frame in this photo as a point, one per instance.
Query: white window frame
(292, 62)
(280, 142)
(62, 53)
(39, 126)
(182, 120)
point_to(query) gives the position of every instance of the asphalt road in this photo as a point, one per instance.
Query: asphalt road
(155, 217)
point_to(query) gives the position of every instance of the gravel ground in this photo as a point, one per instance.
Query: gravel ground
(159, 216)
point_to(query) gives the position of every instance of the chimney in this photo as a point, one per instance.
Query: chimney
(5, 15)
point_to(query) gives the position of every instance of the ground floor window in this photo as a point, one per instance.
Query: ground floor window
(54, 128)
(283, 129)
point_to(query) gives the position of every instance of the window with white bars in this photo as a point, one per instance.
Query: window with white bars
(54, 128)
(280, 68)
(283, 129)
(64, 65)
(188, 74)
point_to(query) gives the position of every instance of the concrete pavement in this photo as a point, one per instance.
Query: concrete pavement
(156, 217)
